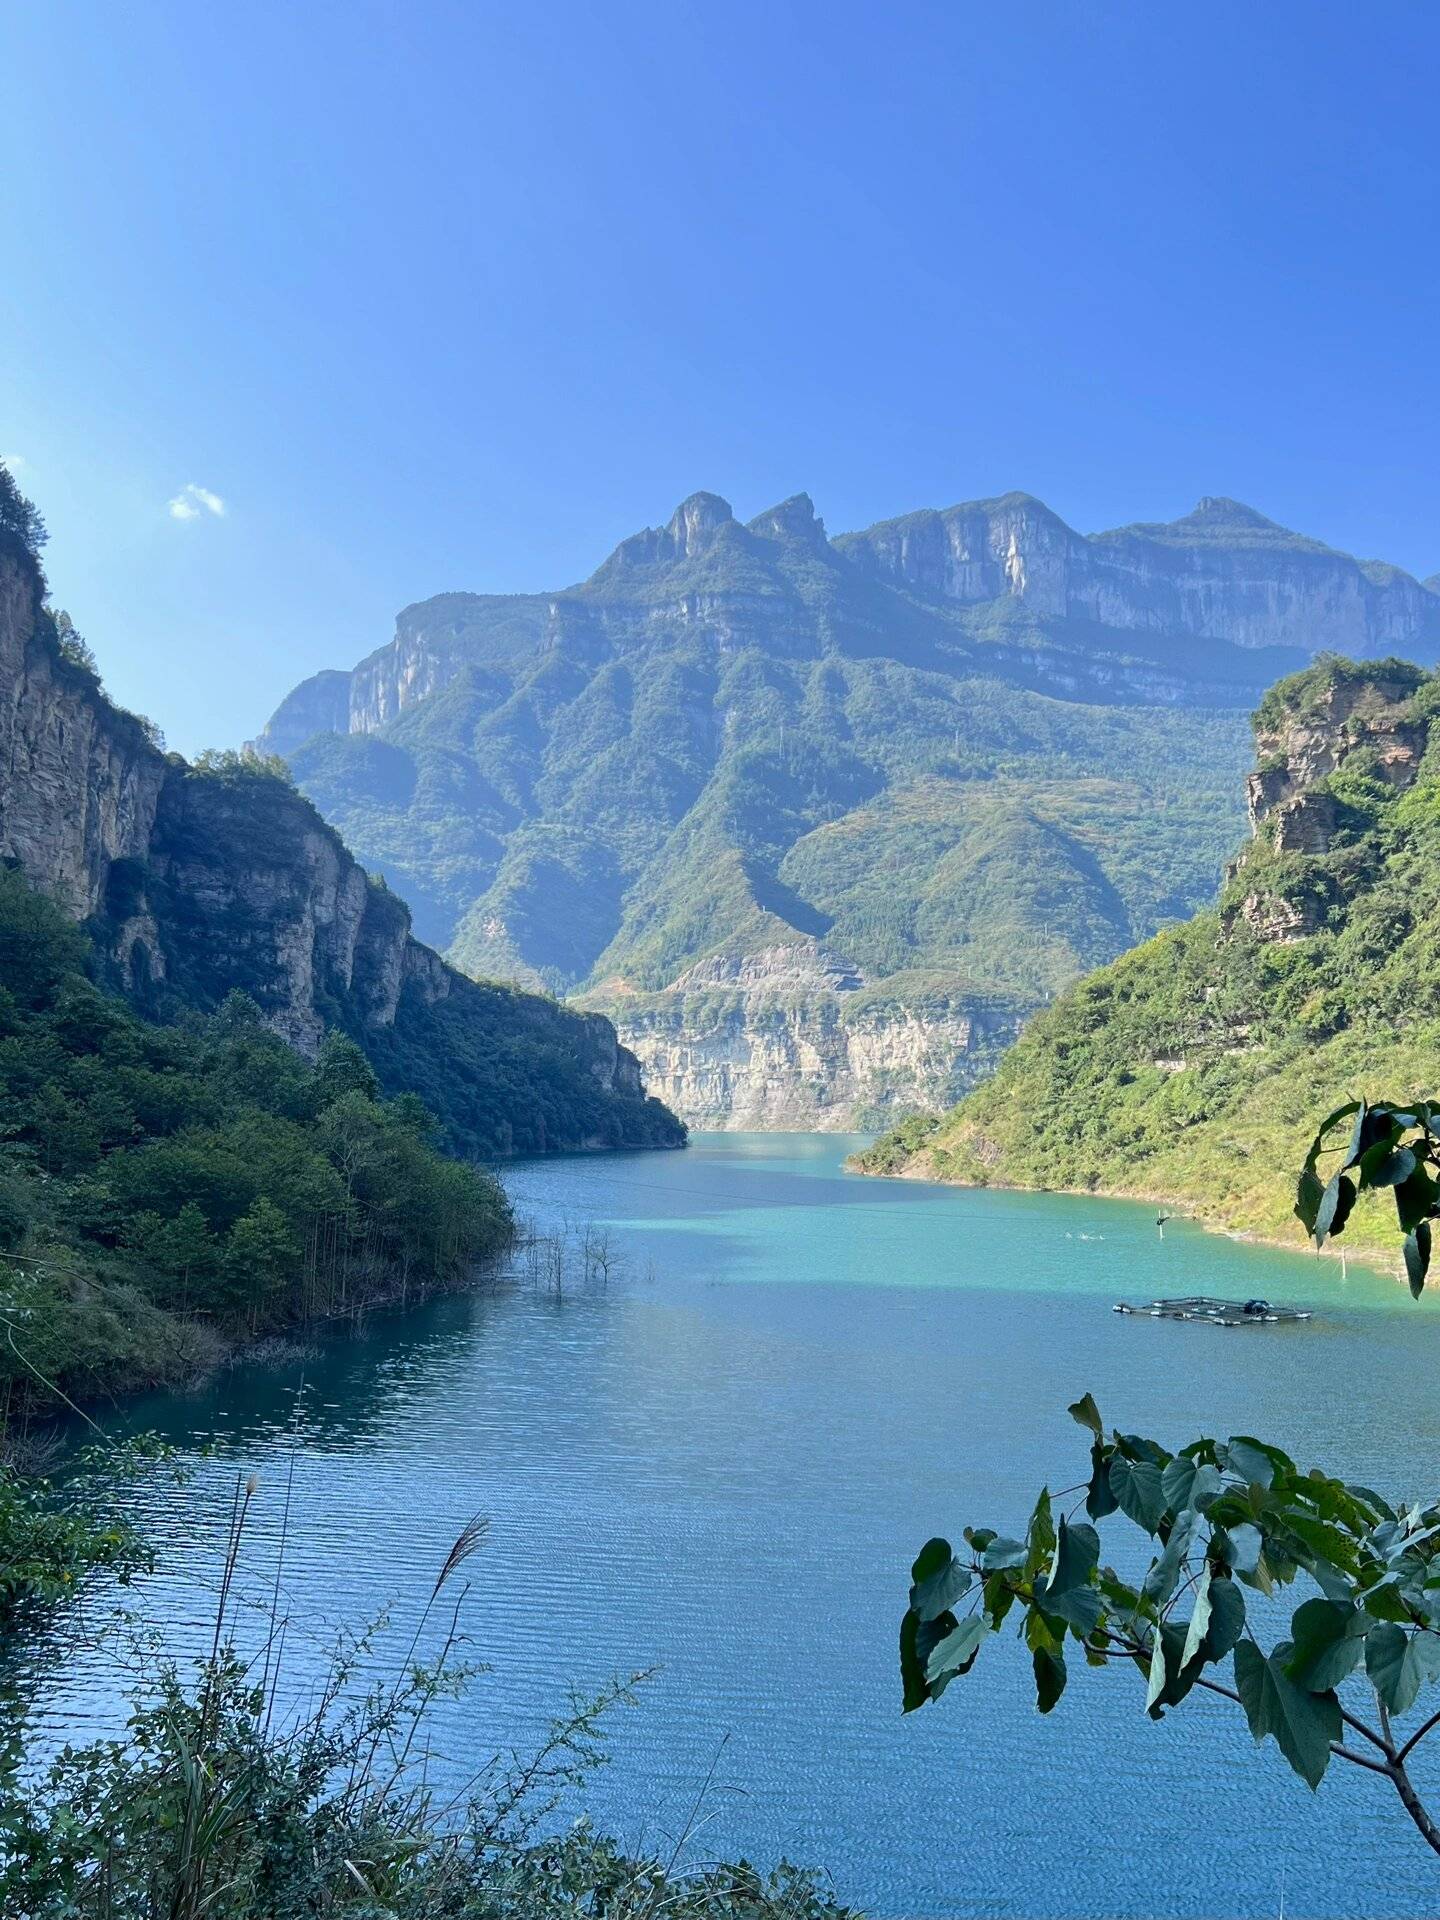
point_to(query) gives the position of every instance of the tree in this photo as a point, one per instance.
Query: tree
(261, 1255)
(341, 1069)
(20, 517)
(1384, 1146)
(73, 646)
(1223, 1517)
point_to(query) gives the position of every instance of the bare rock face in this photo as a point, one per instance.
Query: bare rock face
(1307, 730)
(79, 781)
(1298, 748)
(788, 1038)
(1223, 572)
(320, 704)
(1279, 922)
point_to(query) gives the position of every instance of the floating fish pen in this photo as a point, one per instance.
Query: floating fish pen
(1217, 1313)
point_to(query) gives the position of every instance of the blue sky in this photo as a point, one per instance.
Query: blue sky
(457, 295)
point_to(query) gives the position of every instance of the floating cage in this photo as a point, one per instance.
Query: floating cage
(1217, 1313)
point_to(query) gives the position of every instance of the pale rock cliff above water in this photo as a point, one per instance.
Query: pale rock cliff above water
(788, 1039)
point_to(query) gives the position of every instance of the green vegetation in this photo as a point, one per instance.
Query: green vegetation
(1220, 1518)
(605, 789)
(224, 1800)
(1387, 1149)
(52, 1537)
(1191, 1068)
(167, 1190)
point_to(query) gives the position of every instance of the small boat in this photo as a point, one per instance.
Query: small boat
(1217, 1313)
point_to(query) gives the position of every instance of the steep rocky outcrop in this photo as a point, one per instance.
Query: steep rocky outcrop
(198, 880)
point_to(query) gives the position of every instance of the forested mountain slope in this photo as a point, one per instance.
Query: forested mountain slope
(194, 881)
(820, 823)
(1196, 1067)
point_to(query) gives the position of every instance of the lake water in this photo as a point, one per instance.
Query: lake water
(720, 1465)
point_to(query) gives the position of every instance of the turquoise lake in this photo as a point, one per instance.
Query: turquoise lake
(720, 1464)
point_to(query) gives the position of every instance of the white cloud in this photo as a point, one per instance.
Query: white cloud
(14, 461)
(192, 501)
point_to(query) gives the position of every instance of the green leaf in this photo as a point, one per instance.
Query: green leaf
(1136, 1487)
(940, 1581)
(1077, 1554)
(914, 1688)
(1002, 1553)
(1318, 1144)
(1250, 1460)
(1415, 1200)
(956, 1653)
(1099, 1500)
(1086, 1414)
(1400, 1663)
(1334, 1210)
(1301, 1724)
(1329, 1639)
(1243, 1547)
(1417, 1258)
(1049, 1678)
(1392, 1166)
(1309, 1192)
(1196, 1634)
(1080, 1608)
(1184, 1484)
(1158, 1671)
(1040, 1535)
(1161, 1579)
(1227, 1617)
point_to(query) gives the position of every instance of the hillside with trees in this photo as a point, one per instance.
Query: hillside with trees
(1193, 1068)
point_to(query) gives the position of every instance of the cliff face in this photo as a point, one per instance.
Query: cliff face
(79, 781)
(1195, 1068)
(195, 882)
(1223, 572)
(789, 1038)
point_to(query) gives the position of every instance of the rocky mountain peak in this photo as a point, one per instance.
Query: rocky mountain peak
(690, 530)
(1218, 509)
(792, 519)
(696, 521)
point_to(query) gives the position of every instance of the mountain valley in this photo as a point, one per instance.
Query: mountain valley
(820, 824)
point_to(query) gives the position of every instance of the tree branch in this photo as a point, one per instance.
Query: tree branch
(1416, 1738)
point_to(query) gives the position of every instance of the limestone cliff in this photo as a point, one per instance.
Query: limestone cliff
(198, 880)
(1223, 572)
(790, 1038)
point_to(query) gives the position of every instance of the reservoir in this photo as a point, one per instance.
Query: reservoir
(717, 1464)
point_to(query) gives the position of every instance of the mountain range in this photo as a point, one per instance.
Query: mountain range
(821, 823)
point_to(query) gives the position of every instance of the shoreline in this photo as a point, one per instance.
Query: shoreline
(1358, 1254)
